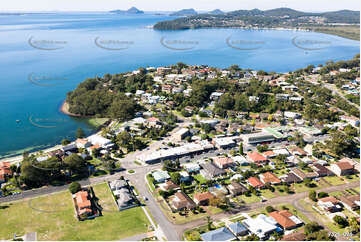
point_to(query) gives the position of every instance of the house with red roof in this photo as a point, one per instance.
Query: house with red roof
(255, 182)
(286, 219)
(269, 154)
(256, 157)
(83, 203)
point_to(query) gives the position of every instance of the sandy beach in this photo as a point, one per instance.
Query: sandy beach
(65, 109)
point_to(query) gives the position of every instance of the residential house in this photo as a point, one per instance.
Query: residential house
(238, 229)
(342, 168)
(291, 178)
(203, 198)
(351, 202)
(160, 176)
(286, 219)
(297, 236)
(221, 234)
(153, 122)
(269, 178)
(269, 154)
(255, 182)
(223, 162)
(321, 170)
(82, 143)
(241, 160)
(191, 167)
(181, 201)
(297, 151)
(184, 176)
(168, 186)
(236, 188)
(181, 134)
(83, 203)
(329, 204)
(303, 175)
(262, 225)
(256, 157)
(210, 171)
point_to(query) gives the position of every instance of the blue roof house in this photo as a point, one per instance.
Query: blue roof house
(238, 229)
(221, 234)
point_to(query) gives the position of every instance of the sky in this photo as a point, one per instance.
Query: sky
(172, 5)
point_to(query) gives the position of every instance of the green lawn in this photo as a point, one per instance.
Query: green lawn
(200, 178)
(57, 220)
(251, 199)
(300, 187)
(334, 180)
(352, 178)
(268, 194)
(357, 189)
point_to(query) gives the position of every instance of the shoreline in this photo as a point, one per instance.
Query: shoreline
(64, 108)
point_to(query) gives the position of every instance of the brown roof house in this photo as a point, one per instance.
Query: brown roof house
(321, 170)
(270, 178)
(351, 202)
(181, 201)
(236, 189)
(342, 168)
(223, 162)
(329, 204)
(286, 219)
(203, 198)
(168, 185)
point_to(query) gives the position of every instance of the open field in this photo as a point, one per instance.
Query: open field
(334, 180)
(349, 32)
(53, 218)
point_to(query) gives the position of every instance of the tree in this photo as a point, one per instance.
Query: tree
(175, 177)
(80, 133)
(312, 228)
(75, 163)
(215, 202)
(270, 209)
(322, 194)
(354, 225)
(241, 148)
(312, 195)
(65, 142)
(209, 222)
(341, 221)
(74, 187)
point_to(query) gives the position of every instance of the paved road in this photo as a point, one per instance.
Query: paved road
(335, 90)
(274, 201)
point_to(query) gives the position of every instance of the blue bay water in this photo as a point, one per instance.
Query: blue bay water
(20, 64)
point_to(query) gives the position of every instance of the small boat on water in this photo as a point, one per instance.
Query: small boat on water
(18, 121)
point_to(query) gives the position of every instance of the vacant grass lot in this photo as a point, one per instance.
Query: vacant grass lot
(52, 217)
(334, 180)
(250, 199)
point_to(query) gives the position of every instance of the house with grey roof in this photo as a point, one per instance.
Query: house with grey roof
(210, 171)
(221, 234)
(238, 229)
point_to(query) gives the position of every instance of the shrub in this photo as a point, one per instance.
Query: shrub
(74, 187)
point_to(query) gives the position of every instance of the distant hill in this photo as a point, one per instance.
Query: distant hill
(273, 18)
(132, 10)
(216, 11)
(184, 12)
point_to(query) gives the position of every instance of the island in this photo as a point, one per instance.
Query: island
(132, 10)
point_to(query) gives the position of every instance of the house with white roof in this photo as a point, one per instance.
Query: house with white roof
(262, 225)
